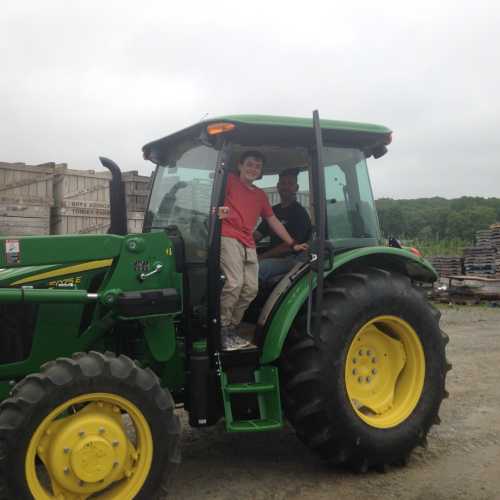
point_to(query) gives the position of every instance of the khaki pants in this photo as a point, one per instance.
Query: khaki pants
(240, 266)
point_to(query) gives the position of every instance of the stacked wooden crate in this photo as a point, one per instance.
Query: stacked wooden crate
(483, 238)
(26, 196)
(82, 201)
(480, 259)
(495, 243)
(447, 265)
(137, 189)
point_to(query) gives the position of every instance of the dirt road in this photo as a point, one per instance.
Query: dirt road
(461, 461)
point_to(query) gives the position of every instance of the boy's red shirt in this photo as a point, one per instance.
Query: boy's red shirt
(246, 204)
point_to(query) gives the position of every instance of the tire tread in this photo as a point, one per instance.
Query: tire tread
(305, 400)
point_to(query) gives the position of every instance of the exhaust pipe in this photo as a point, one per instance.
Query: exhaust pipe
(117, 200)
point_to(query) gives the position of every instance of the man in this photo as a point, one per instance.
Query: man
(244, 203)
(279, 259)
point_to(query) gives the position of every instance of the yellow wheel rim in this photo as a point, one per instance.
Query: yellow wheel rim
(385, 371)
(96, 445)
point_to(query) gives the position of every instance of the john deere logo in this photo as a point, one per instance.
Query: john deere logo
(92, 460)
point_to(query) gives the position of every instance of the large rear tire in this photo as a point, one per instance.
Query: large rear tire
(91, 425)
(368, 392)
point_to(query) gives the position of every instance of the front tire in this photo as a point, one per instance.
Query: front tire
(368, 392)
(93, 424)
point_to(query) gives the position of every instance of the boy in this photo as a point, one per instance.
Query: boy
(244, 203)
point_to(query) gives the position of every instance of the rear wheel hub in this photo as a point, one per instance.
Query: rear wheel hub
(384, 371)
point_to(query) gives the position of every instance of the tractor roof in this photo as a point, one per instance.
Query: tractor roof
(255, 130)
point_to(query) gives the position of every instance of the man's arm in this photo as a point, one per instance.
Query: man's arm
(299, 228)
(277, 251)
(282, 233)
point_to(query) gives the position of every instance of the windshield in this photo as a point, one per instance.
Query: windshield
(181, 197)
(351, 215)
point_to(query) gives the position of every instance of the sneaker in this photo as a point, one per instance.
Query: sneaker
(227, 331)
(226, 334)
(231, 341)
(234, 343)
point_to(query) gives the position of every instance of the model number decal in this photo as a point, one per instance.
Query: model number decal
(66, 282)
(142, 266)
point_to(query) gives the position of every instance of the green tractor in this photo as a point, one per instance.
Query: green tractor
(104, 336)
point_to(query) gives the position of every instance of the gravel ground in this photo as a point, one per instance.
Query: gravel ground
(461, 461)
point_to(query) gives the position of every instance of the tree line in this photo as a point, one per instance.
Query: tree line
(437, 219)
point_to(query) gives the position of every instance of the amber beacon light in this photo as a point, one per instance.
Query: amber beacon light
(220, 128)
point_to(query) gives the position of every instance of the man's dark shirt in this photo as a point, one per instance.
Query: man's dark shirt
(295, 219)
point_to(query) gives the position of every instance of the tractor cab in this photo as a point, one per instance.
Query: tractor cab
(189, 185)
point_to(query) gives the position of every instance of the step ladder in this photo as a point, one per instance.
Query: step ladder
(266, 389)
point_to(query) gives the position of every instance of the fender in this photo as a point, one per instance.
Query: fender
(391, 259)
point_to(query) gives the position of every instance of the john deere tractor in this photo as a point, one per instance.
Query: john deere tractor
(103, 336)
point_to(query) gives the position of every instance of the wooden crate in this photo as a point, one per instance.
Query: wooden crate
(27, 184)
(89, 221)
(447, 265)
(137, 189)
(90, 189)
(82, 201)
(85, 189)
(24, 220)
(135, 220)
(26, 195)
(79, 199)
(79, 220)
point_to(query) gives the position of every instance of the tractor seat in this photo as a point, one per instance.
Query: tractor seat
(270, 284)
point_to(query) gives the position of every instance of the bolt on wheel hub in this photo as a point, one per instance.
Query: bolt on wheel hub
(364, 362)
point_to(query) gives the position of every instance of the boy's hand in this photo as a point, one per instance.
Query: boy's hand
(300, 247)
(223, 212)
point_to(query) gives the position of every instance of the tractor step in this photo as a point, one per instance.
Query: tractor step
(266, 390)
(266, 424)
(249, 388)
(243, 357)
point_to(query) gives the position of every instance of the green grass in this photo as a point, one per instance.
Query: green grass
(430, 248)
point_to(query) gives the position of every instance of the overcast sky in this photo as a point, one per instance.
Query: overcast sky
(89, 78)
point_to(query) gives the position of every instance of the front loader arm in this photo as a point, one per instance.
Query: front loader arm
(60, 249)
